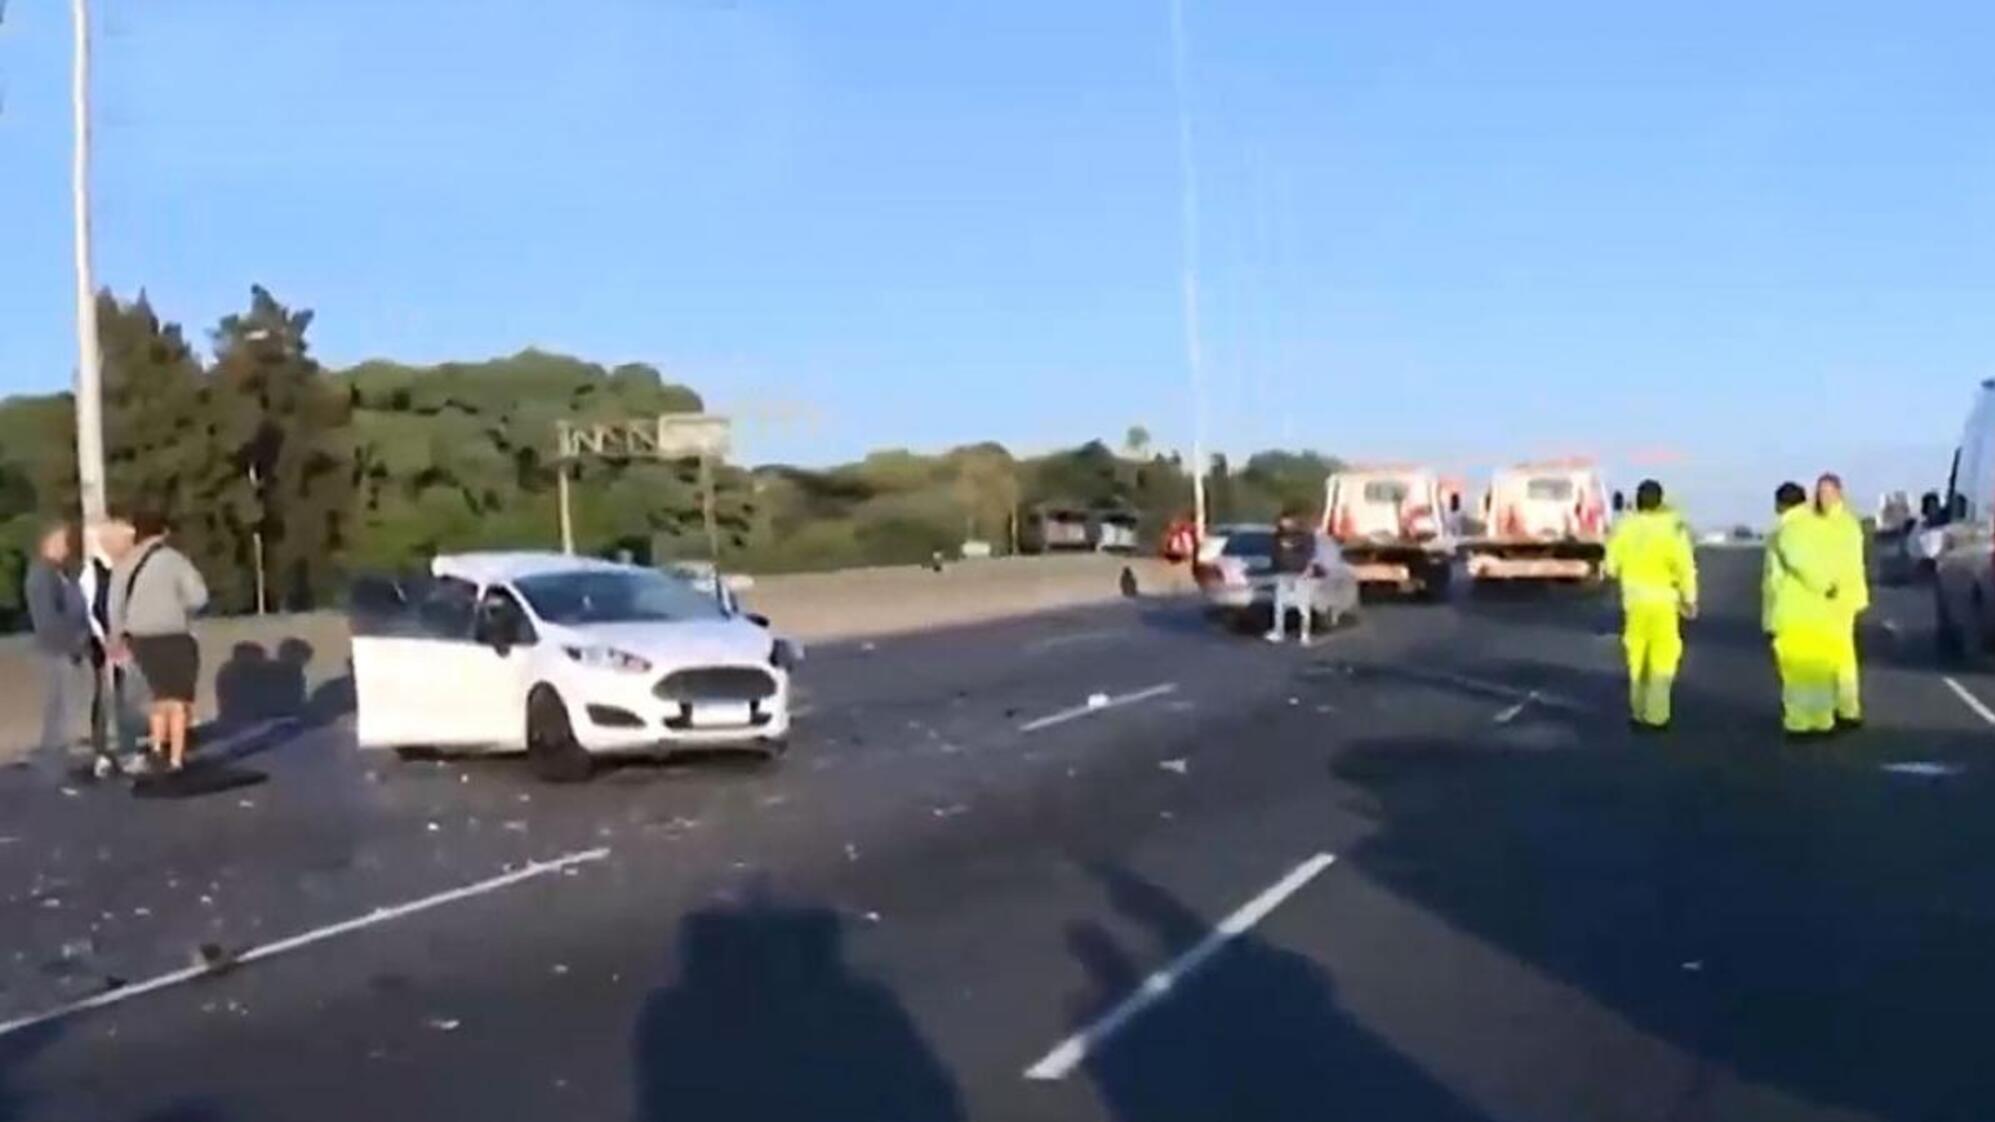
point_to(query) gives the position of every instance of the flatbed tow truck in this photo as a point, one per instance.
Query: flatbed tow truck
(1395, 524)
(1544, 521)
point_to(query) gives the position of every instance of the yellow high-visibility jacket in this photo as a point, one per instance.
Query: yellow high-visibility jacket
(1852, 575)
(1799, 572)
(1651, 555)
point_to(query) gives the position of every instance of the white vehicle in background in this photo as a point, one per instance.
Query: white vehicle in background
(1543, 522)
(1238, 583)
(1395, 525)
(566, 659)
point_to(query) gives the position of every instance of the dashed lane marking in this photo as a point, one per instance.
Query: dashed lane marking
(1968, 699)
(1073, 1051)
(1100, 706)
(307, 938)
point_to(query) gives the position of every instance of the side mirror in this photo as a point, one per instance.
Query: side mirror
(1620, 502)
(1454, 504)
(788, 653)
(758, 619)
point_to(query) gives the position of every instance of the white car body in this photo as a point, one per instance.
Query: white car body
(1241, 584)
(432, 678)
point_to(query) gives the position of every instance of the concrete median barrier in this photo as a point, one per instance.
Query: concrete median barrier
(297, 666)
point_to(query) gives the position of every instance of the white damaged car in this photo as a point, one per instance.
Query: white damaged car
(566, 659)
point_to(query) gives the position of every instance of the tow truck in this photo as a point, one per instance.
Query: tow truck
(1395, 524)
(1545, 521)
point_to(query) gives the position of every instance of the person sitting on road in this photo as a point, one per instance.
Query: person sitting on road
(1295, 572)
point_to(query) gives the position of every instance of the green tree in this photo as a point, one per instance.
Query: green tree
(280, 481)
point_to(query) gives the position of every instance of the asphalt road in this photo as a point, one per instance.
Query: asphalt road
(1420, 871)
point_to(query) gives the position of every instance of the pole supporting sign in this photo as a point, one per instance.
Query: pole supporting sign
(669, 436)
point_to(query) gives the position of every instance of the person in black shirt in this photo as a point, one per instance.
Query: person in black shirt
(1296, 572)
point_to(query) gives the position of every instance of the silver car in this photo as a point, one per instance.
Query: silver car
(1238, 583)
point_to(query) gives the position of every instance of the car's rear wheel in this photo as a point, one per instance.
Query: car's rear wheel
(552, 752)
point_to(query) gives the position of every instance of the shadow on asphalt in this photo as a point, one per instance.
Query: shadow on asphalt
(765, 1021)
(1792, 914)
(1257, 1033)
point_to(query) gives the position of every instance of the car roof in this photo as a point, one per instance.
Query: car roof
(504, 568)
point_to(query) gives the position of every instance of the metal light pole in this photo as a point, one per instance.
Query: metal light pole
(89, 355)
(1188, 224)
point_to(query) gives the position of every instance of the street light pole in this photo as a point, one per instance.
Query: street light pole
(89, 355)
(1188, 230)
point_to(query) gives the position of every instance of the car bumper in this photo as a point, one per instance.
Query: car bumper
(629, 718)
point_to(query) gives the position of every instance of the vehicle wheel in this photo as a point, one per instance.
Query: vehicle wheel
(1434, 585)
(552, 752)
(1946, 637)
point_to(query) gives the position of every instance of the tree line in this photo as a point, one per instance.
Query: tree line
(282, 477)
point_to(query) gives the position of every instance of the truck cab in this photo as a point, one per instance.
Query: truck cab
(1395, 525)
(1543, 521)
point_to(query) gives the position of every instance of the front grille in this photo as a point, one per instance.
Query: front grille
(716, 683)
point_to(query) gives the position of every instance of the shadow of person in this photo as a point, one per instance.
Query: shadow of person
(287, 678)
(239, 685)
(764, 1021)
(1254, 1035)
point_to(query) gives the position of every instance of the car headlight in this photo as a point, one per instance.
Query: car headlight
(608, 658)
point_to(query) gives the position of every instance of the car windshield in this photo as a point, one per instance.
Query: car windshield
(616, 596)
(1386, 491)
(1555, 488)
(1250, 543)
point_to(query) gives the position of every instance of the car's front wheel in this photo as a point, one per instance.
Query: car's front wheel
(552, 752)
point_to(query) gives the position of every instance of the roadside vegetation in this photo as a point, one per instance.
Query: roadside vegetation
(268, 461)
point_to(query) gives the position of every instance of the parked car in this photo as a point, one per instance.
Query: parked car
(1238, 583)
(566, 659)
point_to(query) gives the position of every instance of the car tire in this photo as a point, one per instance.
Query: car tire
(1434, 585)
(552, 752)
(1947, 640)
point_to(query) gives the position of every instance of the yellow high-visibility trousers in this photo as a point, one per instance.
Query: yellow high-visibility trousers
(1849, 675)
(1806, 656)
(1654, 644)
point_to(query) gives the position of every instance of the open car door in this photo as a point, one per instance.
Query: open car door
(405, 632)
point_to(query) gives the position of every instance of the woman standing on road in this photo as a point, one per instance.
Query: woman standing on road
(155, 593)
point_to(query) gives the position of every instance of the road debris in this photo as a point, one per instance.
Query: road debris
(444, 1024)
(1179, 765)
(1694, 965)
(514, 825)
(872, 917)
(950, 811)
(214, 958)
(1097, 701)
(851, 852)
(1510, 714)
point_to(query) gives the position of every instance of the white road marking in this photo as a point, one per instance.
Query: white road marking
(1052, 641)
(1073, 1051)
(306, 939)
(1103, 706)
(1968, 699)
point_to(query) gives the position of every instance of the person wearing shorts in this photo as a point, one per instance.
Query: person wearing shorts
(155, 594)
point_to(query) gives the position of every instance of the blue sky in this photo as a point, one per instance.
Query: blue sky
(1761, 235)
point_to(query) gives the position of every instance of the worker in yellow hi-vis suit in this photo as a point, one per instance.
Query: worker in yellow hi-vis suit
(1651, 556)
(1798, 611)
(1852, 594)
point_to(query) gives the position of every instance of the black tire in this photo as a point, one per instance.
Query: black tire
(552, 752)
(1947, 639)
(1434, 584)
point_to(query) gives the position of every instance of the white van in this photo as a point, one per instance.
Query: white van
(1964, 566)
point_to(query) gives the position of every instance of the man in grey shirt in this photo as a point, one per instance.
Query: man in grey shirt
(155, 594)
(61, 625)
